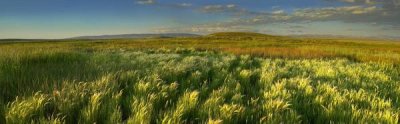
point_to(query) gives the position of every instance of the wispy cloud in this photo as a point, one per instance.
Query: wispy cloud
(154, 2)
(356, 1)
(146, 2)
(379, 12)
(220, 8)
(231, 9)
(353, 13)
(184, 4)
(206, 28)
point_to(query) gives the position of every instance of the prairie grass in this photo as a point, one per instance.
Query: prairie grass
(245, 82)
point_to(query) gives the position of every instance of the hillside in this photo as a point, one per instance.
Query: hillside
(130, 36)
(238, 34)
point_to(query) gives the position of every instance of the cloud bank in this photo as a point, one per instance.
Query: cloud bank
(378, 13)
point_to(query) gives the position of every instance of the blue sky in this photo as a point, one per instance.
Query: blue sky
(68, 18)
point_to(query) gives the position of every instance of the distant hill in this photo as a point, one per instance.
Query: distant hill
(347, 37)
(128, 36)
(238, 34)
(252, 35)
(218, 35)
(25, 40)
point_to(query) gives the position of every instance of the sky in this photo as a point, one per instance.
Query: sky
(69, 18)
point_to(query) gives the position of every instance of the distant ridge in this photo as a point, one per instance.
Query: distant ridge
(347, 37)
(217, 35)
(242, 35)
(238, 34)
(128, 36)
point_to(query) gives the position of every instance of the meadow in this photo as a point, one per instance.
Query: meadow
(219, 78)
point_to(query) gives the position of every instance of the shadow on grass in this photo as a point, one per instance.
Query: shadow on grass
(26, 74)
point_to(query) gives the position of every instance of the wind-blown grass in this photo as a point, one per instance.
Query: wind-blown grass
(73, 83)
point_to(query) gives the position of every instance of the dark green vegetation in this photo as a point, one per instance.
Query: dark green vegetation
(221, 78)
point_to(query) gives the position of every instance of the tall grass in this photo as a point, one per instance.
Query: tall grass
(75, 84)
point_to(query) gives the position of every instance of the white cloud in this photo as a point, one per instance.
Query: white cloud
(171, 5)
(278, 12)
(357, 11)
(184, 4)
(205, 28)
(145, 1)
(230, 8)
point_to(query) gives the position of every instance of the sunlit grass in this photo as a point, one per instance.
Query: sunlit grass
(118, 82)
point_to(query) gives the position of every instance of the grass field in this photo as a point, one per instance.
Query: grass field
(219, 78)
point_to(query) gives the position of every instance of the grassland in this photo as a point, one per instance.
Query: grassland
(220, 78)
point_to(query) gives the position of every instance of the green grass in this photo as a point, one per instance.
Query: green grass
(211, 79)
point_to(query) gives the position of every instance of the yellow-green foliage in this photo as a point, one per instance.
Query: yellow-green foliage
(141, 111)
(184, 107)
(26, 110)
(75, 84)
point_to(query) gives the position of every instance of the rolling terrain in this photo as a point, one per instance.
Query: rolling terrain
(130, 36)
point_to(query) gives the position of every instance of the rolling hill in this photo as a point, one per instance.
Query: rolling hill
(129, 36)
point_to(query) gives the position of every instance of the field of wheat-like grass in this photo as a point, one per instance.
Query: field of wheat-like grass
(54, 85)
